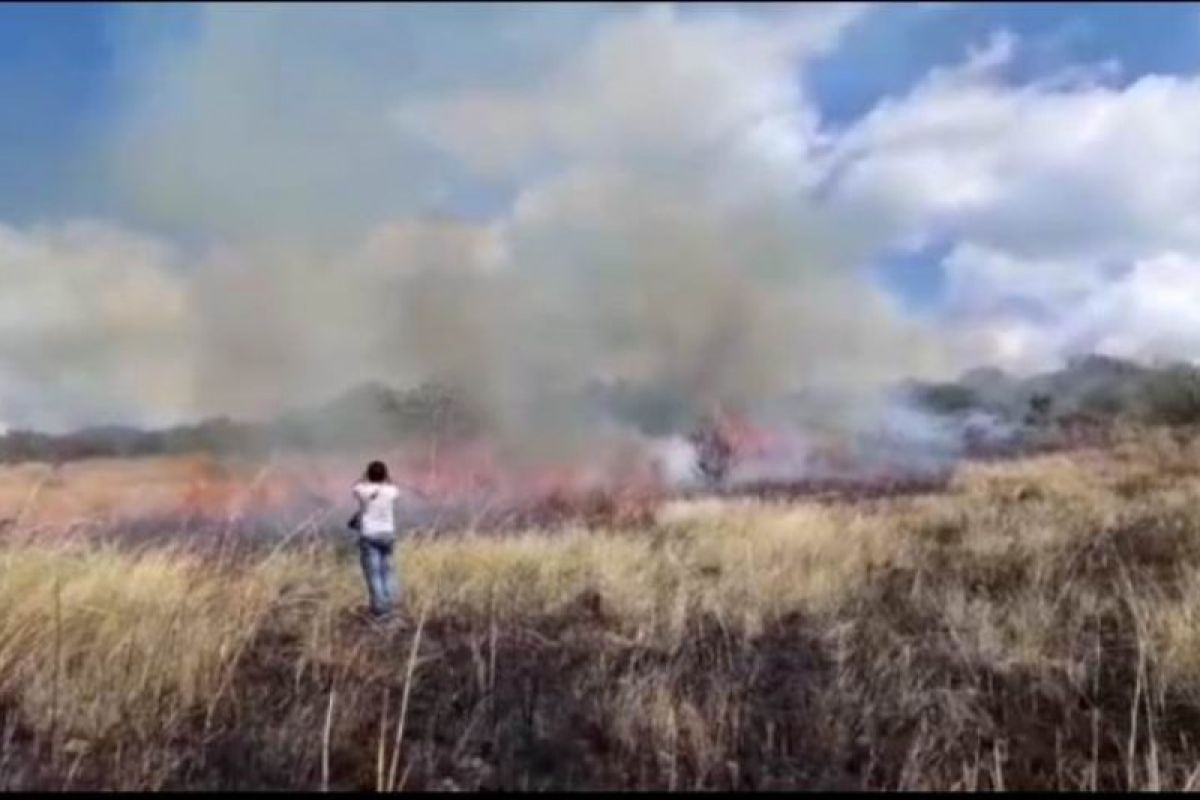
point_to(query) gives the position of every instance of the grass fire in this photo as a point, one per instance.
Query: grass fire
(1020, 618)
(536, 397)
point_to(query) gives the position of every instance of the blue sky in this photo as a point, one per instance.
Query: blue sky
(1018, 175)
(55, 70)
(59, 67)
(888, 51)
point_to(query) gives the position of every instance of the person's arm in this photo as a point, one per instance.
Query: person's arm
(359, 498)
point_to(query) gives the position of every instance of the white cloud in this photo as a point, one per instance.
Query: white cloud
(979, 277)
(1050, 190)
(1151, 313)
(1089, 170)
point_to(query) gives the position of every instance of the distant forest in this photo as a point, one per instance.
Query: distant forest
(362, 415)
(1095, 389)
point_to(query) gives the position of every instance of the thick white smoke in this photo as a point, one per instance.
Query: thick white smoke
(658, 227)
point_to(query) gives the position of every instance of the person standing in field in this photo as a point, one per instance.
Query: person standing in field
(375, 523)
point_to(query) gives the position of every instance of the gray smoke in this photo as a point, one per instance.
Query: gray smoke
(661, 225)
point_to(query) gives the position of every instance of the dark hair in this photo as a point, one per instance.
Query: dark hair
(377, 472)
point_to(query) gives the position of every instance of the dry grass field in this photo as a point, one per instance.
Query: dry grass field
(1037, 625)
(40, 495)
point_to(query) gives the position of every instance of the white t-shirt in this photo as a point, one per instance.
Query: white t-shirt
(379, 508)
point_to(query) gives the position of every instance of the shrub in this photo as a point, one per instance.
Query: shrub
(1172, 396)
(947, 398)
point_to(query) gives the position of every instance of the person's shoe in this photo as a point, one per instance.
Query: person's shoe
(370, 616)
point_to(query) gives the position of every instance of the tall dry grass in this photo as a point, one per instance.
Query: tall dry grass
(1034, 627)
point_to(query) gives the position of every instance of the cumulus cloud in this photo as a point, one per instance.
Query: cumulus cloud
(1051, 191)
(1149, 313)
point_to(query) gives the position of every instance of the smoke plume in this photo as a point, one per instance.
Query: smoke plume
(657, 224)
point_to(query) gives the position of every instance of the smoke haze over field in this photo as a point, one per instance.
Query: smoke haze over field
(661, 248)
(515, 200)
(664, 247)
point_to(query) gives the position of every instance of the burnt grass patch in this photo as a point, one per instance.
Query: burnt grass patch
(904, 681)
(875, 696)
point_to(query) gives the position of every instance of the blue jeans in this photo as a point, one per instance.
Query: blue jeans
(376, 557)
